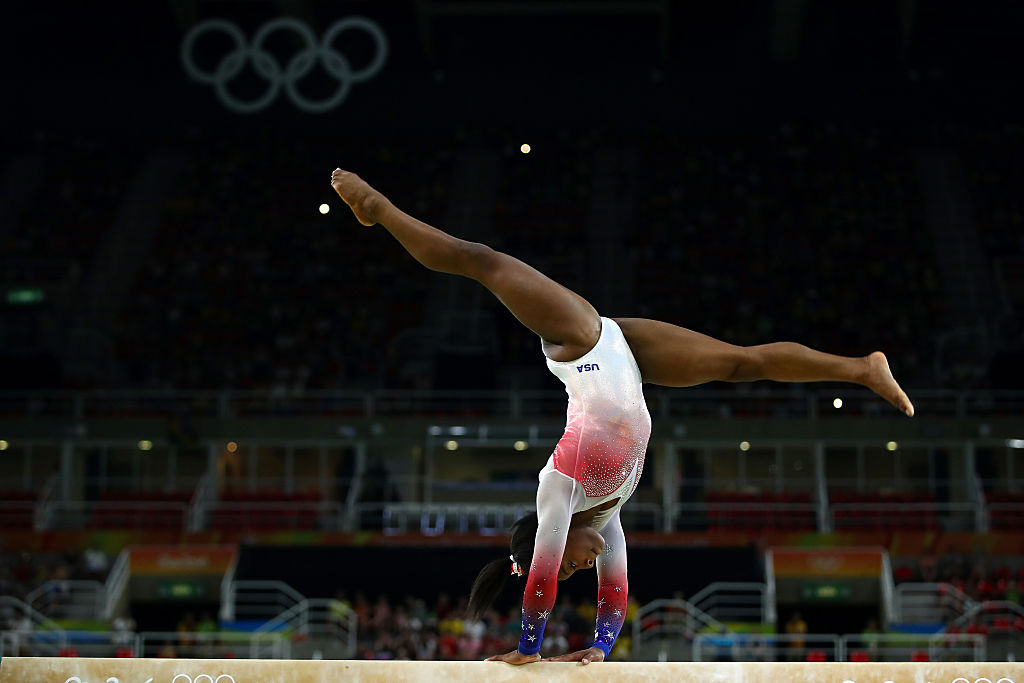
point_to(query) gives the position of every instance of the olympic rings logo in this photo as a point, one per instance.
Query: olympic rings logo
(266, 65)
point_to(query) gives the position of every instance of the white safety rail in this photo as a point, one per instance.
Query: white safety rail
(947, 516)
(888, 586)
(904, 647)
(32, 629)
(989, 613)
(43, 512)
(204, 495)
(117, 583)
(767, 647)
(669, 626)
(67, 599)
(732, 601)
(78, 644)
(930, 603)
(330, 625)
(858, 404)
(227, 591)
(256, 601)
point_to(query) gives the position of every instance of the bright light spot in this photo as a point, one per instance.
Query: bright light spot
(891, 446)
(457, 431)
(520, 445)
(744, 445)
(524, 148)
(837, 404)
(1010, 443)
(452, 445)
(325, 208)
(232, 446)
(3, 445)
(145, 445)
(434, 430)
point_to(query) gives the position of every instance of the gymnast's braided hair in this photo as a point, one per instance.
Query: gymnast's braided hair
(492, 577)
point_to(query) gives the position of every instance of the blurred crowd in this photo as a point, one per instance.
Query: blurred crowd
(412, 628)
(809, 232)
(978, 577)
(24, 572)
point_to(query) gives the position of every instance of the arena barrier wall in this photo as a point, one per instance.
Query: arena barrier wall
(75, 670)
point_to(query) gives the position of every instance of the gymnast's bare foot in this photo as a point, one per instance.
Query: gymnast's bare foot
(364, 201)
(880, 380)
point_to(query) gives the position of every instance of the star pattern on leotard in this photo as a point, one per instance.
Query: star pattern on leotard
(618, 589)
(544, 614)
(600, 603)
(531, 638)
(540, 593)
(618, 613)
(530, 626)
(610, 634)
(555, 530)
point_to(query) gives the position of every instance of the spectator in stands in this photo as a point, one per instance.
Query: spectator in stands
(186, 629)
(381, 619)
(796, 627)
(123, 629)
(95, 563)
(339, 608)
(870, 638)
(207, 624)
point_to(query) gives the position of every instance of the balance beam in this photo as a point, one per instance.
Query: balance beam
(76, 670)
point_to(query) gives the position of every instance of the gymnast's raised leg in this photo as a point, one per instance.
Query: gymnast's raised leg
(566, 322)
(666, 354)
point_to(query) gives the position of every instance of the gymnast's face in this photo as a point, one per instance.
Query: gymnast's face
(582, 548)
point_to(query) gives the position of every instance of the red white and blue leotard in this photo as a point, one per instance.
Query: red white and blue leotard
(599, 458)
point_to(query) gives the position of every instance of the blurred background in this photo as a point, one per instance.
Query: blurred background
(236, 423)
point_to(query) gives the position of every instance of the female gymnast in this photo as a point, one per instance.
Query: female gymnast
(597, 463)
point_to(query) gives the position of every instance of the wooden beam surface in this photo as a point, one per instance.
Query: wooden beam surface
(82, 670)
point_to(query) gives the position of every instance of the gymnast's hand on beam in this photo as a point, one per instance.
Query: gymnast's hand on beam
(515, 657)
(591, 654)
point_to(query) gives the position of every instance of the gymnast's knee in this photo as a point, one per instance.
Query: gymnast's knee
(478, 261)
(456, 256)
(747, 364)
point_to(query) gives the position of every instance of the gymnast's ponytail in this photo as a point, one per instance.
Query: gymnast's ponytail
(492, 577)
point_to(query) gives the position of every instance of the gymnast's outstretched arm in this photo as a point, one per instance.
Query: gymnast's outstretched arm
(612, 596)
